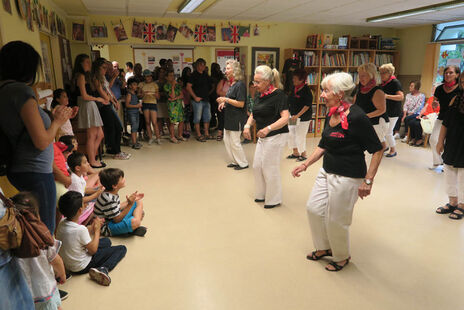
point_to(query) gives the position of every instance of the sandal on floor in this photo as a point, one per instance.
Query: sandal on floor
(201, 139)
(457, 216)
(446, 209)
(218, 138)
(337, 266)
(209, 137)
(313, 255)
(292, 156)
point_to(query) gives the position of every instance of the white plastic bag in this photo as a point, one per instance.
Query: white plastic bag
(427, 123)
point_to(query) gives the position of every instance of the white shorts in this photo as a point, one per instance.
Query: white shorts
(381, 129)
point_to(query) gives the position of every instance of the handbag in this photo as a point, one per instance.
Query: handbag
(34, 236)
(10, 228)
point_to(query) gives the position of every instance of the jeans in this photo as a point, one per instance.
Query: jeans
(112, 129)
(133, 116)
(201, 111)
(42, 185)
(107, 256)
(14, 293)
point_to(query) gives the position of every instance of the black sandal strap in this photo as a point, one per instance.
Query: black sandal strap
(457, 216)
(337, 266)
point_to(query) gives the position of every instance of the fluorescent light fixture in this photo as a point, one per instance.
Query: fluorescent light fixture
(417, 11)
(189, 6)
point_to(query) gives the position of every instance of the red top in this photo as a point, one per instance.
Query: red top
(60, 161)
(428, 107)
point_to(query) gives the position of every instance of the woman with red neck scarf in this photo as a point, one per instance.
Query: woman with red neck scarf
(300, 102)
(235, 116)
(344, 176)
(270, 112)
(443, 93)
(371, 99)
(393, 95)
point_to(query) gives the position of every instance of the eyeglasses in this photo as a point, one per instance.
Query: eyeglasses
(257, 82)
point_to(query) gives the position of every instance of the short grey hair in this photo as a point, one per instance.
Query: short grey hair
(236, 69)
(340, 82)
(268, 74)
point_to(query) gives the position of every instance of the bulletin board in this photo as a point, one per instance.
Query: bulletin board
(222, 55)
(149, 57)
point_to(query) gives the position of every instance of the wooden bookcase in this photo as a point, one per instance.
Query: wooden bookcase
(319, 62)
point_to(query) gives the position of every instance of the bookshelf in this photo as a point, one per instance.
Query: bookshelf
(319, 62)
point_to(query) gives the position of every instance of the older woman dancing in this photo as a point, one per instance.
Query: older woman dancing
(270, 112)
(235, 115)
(343, 176)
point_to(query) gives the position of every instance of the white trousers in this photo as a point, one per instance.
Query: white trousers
(330, 211)
(437, 160)
(389, 136)
(297, 136)
(266, 168)
(381, 129)
(234, 148)
(454, 182)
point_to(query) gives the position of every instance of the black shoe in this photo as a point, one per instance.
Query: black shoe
(291, 156)
(240, 168)
(232, 165)
(100, 275)
(139, 231)
(246, 141)
(271, 206)
(259, 200)
(63, 295)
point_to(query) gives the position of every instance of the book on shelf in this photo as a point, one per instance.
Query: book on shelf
(312, 79)
(310, 59)
(381, 59)
(327, 40)
(311, 126)
(322, 112)
(333, 60)
(314, 111)
(320, 125)
(359, 59)
(324, 74)
(354, 75)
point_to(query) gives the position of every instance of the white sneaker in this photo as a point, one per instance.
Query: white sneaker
(405, 139)
(151, 141)
(396, 136)
(158, 141)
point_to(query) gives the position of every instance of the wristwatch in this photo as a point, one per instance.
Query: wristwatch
(368, 181)
(269, 127)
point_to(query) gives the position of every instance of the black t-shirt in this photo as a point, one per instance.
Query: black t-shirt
(266, 110)
(344, 149)
(303, 98)
(201, 84)
(289, 67)
(235, 118)
(453, 154)
(364, 101)
(444, 99)
(393, 106)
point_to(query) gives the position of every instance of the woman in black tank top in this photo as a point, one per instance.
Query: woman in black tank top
(371, 98)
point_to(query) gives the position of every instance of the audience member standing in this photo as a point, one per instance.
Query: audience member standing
(149, 92)
(270, 112)
(444, 93)
(28, 128)
(220, 87)
(300, 103)
(451, 143)
(129, 70)
(235, 116)
(199, 87)
(393, 95)
(371, 99)
(176, 112)
(348, 133)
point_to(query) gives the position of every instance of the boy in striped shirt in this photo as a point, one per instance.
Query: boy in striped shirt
(120, 218)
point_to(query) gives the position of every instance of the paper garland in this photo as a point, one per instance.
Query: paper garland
(149, 33)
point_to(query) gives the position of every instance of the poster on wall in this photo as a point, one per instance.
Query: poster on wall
(222, 56)
(99, 31)
(149, 57)
(120, 32)
(78, 32)
(225, 32)
(211, 33)
(7, 6)
(149, 33)
(200, 33)
(46, 62)
(234, 34)
(137, 29)
(161, 32)
(268, 56)
(172, 32)
(244, 31)
(186, 31)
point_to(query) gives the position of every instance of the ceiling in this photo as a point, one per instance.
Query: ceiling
(339, 12)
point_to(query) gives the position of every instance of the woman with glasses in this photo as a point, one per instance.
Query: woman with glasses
(270, 112)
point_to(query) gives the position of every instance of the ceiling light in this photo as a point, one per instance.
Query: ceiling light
(189, 6)
(416, 11)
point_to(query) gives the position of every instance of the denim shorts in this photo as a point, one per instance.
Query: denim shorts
(133, 117)
(201, 111)
(125, 226)
(149, 106)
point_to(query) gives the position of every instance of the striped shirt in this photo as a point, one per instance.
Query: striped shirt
(107, 206)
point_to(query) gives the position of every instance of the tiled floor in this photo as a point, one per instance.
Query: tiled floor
(210, 247)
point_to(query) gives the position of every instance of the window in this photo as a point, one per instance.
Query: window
(450, 54)
(449, 31)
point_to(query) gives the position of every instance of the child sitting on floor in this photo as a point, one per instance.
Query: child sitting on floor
(121, 218)
(79, 167)
(82, 253)
(43, 271)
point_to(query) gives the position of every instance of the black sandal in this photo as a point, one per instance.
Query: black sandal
(313, 255)
(457, 216)
(446, 209)
(337, 266)
(292, 156)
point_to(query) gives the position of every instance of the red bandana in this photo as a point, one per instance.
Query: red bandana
(389, 80)
(450, 84)
(368, 86)
(231, 80)
(268, 91)
(298, 88)
(340, 110)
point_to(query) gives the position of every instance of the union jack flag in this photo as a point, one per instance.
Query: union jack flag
(200, 33)
(234, 35)
(149, 33)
